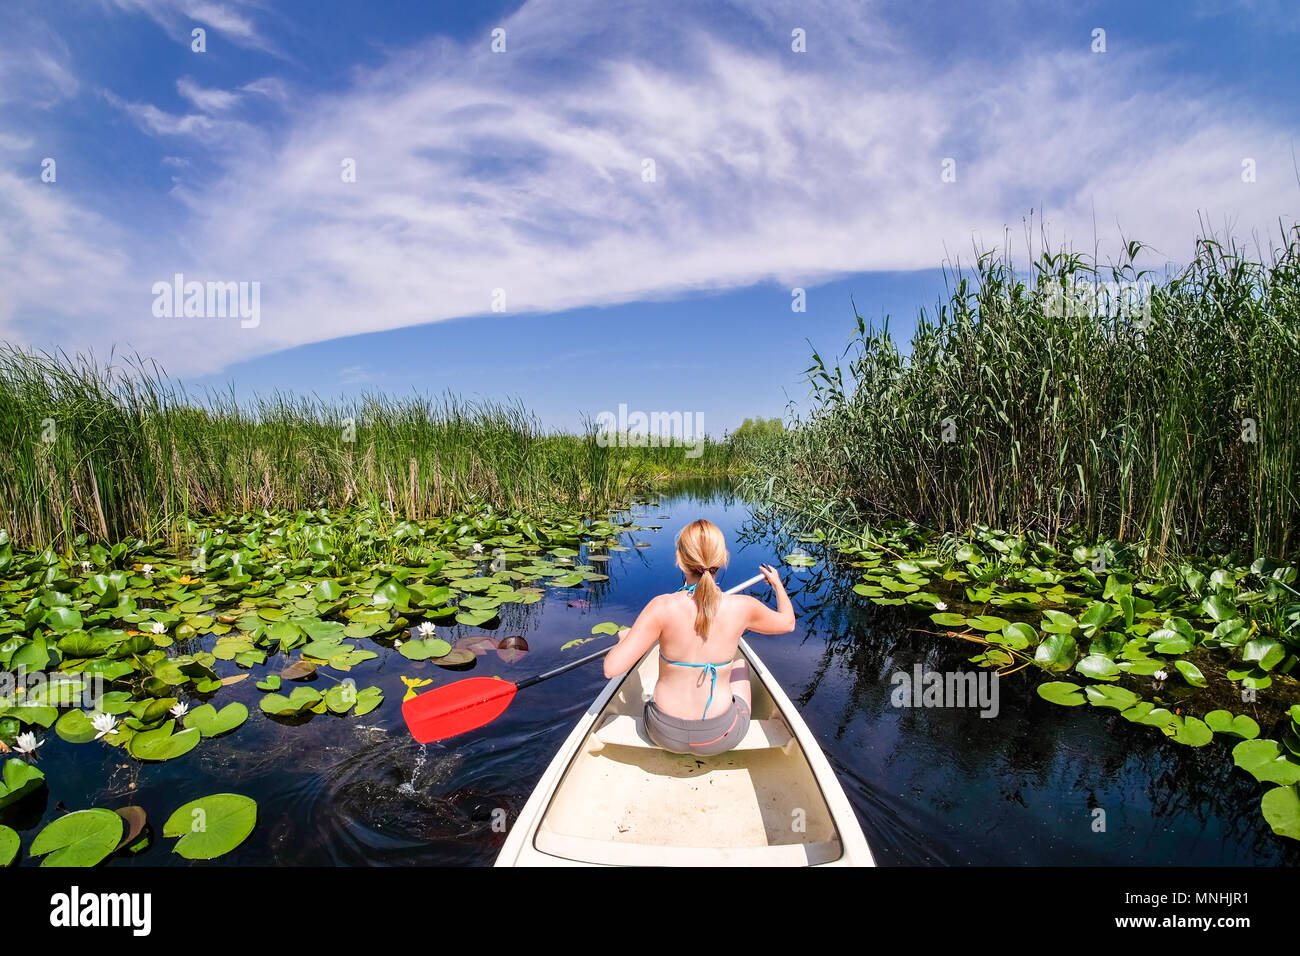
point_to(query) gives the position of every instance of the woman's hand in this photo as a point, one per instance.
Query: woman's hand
(771, 576)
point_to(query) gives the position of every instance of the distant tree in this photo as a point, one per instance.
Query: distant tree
(759, 428)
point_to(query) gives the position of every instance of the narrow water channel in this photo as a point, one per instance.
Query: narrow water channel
(930, 785)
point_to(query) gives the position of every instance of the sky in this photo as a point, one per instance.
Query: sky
(587, 204)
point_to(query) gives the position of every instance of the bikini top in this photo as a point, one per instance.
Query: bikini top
(710, 669)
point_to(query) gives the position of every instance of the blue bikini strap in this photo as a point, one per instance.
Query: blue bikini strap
(711, 670)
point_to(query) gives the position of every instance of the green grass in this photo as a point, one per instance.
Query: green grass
(1071, 425)
(120, 450)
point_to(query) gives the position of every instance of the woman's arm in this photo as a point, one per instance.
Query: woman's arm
(634, 641)
(762, 618)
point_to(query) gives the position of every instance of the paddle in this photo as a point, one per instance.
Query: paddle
(467, 704)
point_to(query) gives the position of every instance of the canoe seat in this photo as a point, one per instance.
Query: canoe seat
(624, 730)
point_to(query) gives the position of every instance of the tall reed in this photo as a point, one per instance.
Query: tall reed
(1171, 421)
(119, 449)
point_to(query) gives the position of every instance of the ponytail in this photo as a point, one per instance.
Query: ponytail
(707, 597)
(701, 548)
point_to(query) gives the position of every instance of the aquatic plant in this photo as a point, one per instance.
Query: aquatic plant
(1117, 631)
(119, 450)
(1166, 426)
(131, 659)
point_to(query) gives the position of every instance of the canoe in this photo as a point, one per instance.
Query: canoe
(611, 797)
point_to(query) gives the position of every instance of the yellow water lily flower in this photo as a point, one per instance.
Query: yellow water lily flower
(412, 683)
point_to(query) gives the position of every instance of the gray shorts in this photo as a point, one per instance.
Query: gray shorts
(707, 738)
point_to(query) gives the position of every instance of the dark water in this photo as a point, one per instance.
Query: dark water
(930, 785)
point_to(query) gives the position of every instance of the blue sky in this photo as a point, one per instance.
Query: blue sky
(523, 171)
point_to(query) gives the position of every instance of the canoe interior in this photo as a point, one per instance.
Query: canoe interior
(624, 804)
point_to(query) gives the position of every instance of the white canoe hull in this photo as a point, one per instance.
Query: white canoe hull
(610, 797)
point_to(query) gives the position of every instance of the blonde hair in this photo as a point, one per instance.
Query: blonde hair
(702, 549)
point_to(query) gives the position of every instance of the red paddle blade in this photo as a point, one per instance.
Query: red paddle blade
(447, 711)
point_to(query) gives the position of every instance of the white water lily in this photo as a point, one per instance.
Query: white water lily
(940, 606)
(86, 565)
(158, 627)
(1161, 675)
(179, 710)
(476, 548)
(27, 743)
(147, 570)
(426, 629)
(104, 723)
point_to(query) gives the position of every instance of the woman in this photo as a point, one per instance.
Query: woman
(702, 698)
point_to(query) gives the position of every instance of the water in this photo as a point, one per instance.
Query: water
(929, 785)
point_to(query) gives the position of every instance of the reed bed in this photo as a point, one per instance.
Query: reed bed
(1169, 421)
(120, 450)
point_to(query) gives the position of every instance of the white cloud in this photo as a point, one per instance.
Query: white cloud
(209, 101)
(522, 171)
(60, 264)
(35, 65)
(178, 17)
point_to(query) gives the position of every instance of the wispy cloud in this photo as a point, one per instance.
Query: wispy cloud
(35, 64)
(233, 18)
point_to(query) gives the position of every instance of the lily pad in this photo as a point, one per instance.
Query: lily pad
(299, 700)
(1223, 722)
(210, 722)
(1098, 667)
(1265, 652)
(212, 826)
(1265, 761)
(18, 779)
(9, 843)
(1191, 731)
(1144, 712)
(161, 743)
(298, 670)
(1191, 673)
(1056, 653)
(82, 838)
(456, 657)
(1281, 808)
(478, 644)
(75, 727)
(474, 617)
(423, 650)
(368, 698)
(1062, 692)
(1101, 695)
(133, 820)
(947, 619)
(512, 649)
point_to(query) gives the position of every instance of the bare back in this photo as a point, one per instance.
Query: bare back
(669, 622)
(683, 691)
